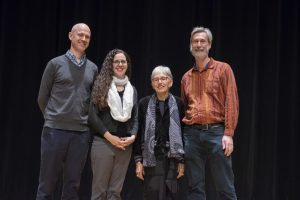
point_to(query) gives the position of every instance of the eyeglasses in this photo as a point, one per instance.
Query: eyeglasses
(162, 78)
(117, 62)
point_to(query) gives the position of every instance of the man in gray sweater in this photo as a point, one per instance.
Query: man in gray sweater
(63, 98)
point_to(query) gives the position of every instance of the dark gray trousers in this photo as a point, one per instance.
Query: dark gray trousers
(109, 166)
(64, 153)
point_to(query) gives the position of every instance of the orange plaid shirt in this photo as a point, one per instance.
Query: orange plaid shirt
(210, 96)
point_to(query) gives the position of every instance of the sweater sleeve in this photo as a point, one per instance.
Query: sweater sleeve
(134, 116)
(181, 115)
(46, 86)
(94, 120)
(139, 141)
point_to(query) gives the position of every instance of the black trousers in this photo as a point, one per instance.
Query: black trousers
(160, 182)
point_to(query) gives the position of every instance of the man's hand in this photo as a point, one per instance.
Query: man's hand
(227, 143)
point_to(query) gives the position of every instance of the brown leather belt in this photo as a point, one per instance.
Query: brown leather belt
(205, 126)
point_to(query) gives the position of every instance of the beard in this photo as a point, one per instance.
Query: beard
(202, 54)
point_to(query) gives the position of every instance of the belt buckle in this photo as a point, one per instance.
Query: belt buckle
(205, 127)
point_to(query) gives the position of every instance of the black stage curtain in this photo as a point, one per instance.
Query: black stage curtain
(259, 39)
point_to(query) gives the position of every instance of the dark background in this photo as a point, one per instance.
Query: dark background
(259, 39)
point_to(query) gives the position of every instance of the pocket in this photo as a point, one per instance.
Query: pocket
(212, 86)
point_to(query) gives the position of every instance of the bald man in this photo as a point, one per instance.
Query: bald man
(63, 98)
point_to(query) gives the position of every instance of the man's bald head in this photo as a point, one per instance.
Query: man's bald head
(80, 26)
(79, 36)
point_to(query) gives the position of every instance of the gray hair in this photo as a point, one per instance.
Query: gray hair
(200, 29)
(162, 70)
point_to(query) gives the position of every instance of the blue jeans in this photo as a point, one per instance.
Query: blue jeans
(62, 152)
(203, 146)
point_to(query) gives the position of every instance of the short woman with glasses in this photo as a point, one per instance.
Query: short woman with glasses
(113, 118)
(158, 149)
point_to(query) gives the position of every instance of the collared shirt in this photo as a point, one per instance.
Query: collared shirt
(72, 57)
(210, 96)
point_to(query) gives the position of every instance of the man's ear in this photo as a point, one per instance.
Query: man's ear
(70, 35)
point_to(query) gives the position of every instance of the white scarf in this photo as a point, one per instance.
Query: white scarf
(118, 111)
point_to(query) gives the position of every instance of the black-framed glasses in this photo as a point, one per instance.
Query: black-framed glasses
(117, 62)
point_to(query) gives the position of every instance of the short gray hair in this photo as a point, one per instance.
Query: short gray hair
(200, 29)
(162, 69)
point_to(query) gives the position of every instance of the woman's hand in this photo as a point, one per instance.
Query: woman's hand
(126, 141)
(114, 140)
(180, 170)
(139, 170)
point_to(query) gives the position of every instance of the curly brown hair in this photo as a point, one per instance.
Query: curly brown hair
(104, 78)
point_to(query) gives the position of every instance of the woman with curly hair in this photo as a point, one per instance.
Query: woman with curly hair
(113, 120)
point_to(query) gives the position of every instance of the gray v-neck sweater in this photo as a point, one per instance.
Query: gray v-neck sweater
(64, 93)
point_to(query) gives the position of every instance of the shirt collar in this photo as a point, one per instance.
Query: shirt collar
(209, 65)
(72, 57)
